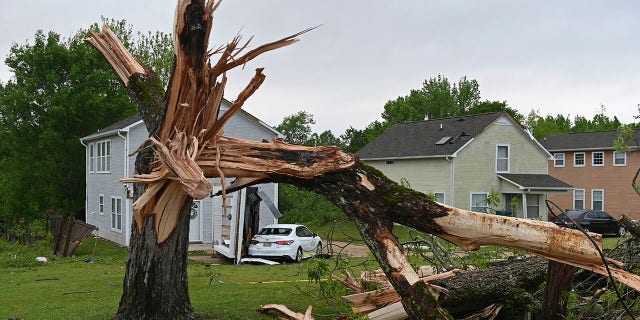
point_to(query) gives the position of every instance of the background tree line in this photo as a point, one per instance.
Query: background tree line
(62, 90)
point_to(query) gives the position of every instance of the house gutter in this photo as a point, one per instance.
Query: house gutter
(407, 158)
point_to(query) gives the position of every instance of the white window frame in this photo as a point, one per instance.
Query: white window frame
(103, 156)
(576, 199)
(101, 204)
(593, 199)
(116, 214)
(593, 159)
(584, 159)
(508, 158)
(92, 157)
(443, 196)
(471, 204)
(624, 164)
(556, 159)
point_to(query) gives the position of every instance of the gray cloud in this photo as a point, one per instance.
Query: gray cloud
(564, 57)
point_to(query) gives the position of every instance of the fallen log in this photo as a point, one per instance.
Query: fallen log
(366, 302)
(464, 294)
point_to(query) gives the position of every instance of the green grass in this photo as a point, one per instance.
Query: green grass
(70, 288)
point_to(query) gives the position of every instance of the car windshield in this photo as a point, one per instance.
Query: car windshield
(574, 214)
(275, 231)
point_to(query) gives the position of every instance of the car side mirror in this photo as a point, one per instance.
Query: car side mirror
(315, 234)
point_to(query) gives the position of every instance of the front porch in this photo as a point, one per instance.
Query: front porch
(524, 195)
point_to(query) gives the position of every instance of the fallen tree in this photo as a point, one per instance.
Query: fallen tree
(462, 294)
(187, 146)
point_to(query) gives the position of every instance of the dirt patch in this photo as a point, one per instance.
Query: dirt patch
(348, 249)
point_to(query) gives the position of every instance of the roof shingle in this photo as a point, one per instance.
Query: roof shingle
(602, 140)
(428, 138)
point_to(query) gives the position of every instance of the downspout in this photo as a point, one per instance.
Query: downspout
(452, 172)
(126, 204)
(525, 213)
(86, 189)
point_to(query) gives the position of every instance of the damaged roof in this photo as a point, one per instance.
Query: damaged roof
(428, 138)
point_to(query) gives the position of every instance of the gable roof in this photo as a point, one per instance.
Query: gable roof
(115, 127)
(428, 138)
(535, 181)
(136, 119)
(598, 140)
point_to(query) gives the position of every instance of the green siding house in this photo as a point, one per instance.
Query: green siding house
(464, 160)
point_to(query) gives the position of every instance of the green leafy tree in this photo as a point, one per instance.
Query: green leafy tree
(541, 126)
(495, 106)
(403, 109)
(61, 90)
(354, 139)
(296, 128)
(326, 138)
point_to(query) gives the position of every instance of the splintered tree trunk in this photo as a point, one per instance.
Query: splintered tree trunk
(559, 277)
(155, 284)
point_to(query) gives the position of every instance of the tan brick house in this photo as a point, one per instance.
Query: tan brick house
(600, 175)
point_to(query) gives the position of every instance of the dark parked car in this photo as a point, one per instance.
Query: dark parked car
(596, 221)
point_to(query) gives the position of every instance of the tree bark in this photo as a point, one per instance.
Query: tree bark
(510, 284)
(559, 277)
(155, 284)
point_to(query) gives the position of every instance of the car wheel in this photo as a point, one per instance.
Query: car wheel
(586, 229)
(298, 255)
(319, 249)
(621, 231)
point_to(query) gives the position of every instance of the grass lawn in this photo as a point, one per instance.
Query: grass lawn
(70, 288)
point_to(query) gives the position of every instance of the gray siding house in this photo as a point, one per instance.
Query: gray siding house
(108, 202)
(463, 160)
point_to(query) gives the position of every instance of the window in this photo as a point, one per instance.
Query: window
(303, 232)
(533, 206)
(578, 159)
(559, 159)
(597, 199)
(389, 162)
(92, 158)
(619, 158)
(479, 202)
(101, 204)
(578, 199)
(597, 159)
(502, 158)
(439, 196)
(116, 213)
(103, 158)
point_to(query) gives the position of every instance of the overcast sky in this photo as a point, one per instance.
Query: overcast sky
(565, 57)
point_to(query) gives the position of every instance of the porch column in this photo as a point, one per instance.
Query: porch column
(524, 206)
